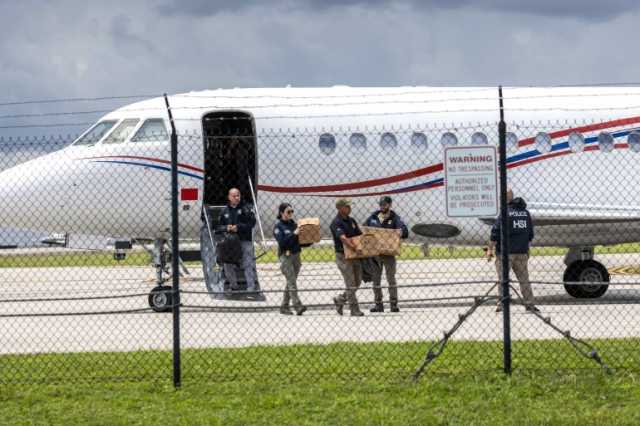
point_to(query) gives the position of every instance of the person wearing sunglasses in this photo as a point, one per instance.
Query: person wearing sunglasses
(285, 232)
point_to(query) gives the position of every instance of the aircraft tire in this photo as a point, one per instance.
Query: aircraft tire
(586, 271)
(161, 299)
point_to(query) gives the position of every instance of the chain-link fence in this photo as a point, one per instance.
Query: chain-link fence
(375, 281)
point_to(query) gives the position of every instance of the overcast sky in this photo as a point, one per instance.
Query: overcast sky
(73, 48)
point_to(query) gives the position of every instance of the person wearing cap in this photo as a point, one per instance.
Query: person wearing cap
(344, 228)
(285, 232)
(387, 219)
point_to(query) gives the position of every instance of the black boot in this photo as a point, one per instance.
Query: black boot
(378, 307)
(394, 307)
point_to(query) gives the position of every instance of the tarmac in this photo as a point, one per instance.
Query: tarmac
(78, 309)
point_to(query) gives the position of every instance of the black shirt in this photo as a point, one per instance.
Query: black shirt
(283, 231)
(520, 228)
(343, 226)
(241, 215)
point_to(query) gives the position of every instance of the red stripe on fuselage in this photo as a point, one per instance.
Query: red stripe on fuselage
(559, 154)
(135, 157)
(354, 185)
(589, 128)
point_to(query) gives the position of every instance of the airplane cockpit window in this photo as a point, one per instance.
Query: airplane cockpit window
(576, 142)
(388, 141)
(152, 130)
(358, 141)
(512, 142)
(543, 142)
(634, 141)
(479, 138)
(95, 133)
(419, 140)
(606, 142)
(448, 139)
(122, 132)
(327, 143)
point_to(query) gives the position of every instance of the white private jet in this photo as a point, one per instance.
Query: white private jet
(571, 155)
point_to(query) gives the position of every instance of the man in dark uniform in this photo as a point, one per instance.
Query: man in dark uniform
(520, 236)
(387, 219)
(237, 217)
(343, 229)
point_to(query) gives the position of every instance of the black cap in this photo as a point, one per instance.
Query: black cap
(385, 200)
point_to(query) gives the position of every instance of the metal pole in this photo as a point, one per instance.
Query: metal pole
(504, 239)
(175, 249)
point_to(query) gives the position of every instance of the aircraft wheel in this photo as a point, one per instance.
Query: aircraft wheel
(588, 271)
(161, 299)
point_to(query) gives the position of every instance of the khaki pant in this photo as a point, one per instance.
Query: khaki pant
(351, 271)
(519, 265)
(290, 267)
(389, 265)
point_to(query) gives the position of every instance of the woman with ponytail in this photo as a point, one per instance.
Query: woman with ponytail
(285, 232)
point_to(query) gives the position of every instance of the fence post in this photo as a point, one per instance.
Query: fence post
(175, 252)
(504, 239)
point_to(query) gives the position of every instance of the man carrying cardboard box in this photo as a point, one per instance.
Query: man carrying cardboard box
(387, 219)
(343, 229)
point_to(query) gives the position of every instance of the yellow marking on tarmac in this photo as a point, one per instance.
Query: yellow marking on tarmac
(625, 270)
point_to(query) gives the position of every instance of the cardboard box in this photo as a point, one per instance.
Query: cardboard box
(368, 244)
(309, 230)
(388, 240)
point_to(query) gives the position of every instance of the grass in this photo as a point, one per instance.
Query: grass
(312, 254)
(359, 384)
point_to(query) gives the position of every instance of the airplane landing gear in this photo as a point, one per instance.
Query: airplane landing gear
(582, 268)
(161, 296)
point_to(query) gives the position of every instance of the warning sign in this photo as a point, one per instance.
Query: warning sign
(471, 181)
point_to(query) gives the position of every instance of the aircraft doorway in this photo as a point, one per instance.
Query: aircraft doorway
(229, 156)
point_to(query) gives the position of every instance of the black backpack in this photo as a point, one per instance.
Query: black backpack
(229, 249)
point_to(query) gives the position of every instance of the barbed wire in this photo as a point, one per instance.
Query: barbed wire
(84, 99)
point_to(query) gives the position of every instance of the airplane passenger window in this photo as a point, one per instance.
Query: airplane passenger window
(543, 142)
(152, 130)
(634, 141)
(358, 141)
(122, 132)
(327, 143)
(512, 141)
(606, 142)
(448, 139)
(95, 133)
(576, 142)
(388, 141)
(479, 138)
(419, 140)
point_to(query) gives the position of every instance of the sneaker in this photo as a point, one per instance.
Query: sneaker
(378, 307)
(357, 313)
(394, 308)
(339, 305)
(531, 308)
(286, 311)
(301, 310)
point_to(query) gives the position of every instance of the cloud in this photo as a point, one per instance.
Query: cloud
(581, 9)
(70, 50)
